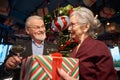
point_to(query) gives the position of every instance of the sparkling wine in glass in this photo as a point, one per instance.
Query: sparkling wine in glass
(18, 50)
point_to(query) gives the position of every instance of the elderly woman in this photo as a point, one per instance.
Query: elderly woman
(95, 60)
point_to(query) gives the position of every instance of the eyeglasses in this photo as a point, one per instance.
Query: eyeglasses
(37, 27)
(76, 24)
(72, 24)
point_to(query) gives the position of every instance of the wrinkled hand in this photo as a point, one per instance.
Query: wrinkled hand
(12, 62)
(64, 75)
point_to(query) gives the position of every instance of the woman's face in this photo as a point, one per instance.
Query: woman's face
(74, 28)
(37, 30)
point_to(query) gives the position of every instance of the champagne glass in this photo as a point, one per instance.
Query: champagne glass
(51, 50)
(18, 50)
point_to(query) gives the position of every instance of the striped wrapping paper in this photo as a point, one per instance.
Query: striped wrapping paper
(40, 67)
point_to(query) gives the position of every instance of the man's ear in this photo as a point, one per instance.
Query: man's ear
(86, 28)
(27, 31)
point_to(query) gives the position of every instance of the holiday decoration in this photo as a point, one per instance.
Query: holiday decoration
(66, 10)
(61, 11)
(67, 46)
(45, 67)
(89, 2)
(112, 28)
(60, 23)
(107, 12)
(4, 7)
(42, 11)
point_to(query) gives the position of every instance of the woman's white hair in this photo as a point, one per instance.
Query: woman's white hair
(86, 16)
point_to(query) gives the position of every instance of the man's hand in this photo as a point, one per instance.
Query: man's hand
(12, 62)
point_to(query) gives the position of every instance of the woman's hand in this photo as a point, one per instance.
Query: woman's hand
(64, 75)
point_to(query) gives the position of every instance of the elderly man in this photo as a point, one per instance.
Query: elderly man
(34, 27)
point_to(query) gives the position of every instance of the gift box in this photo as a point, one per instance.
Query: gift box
(39, 67)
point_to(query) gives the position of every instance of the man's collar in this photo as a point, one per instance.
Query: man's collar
(42, 42)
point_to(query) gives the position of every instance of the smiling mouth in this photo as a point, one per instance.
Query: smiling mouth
(40, 32)
(71, 32)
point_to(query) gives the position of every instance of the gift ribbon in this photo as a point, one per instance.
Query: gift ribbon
(56, 63)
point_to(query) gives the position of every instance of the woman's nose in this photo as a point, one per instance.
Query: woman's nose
(69, 28)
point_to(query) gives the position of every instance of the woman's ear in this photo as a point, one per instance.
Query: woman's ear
(86, 28)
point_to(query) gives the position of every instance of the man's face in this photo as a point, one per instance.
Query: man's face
(37, 30)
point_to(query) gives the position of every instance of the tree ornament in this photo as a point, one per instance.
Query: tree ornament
(89, 3)
(112, 28)
(60, 23)
(107, 12)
